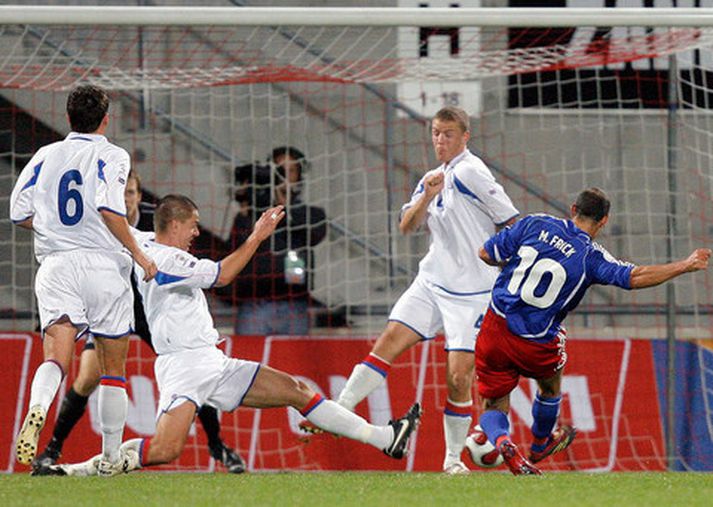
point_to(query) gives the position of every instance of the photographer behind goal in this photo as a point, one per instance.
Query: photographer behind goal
(272, 292)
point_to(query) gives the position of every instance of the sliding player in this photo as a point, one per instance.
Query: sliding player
(191, 371)
(141, 216)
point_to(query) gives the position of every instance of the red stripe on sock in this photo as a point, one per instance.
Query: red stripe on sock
(464, 411)
(144, 451)
(113, 382)
(316, 400)
(501, 439)
(378, 363)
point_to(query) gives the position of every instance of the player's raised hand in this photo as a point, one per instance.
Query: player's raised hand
(698, 260)
(433, 184)
(148, 265)
(267, 222)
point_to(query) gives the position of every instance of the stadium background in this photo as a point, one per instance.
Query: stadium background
(600, 119)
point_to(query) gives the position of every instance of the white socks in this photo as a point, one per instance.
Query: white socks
(113, 406)
(457, 418)
(366, 376)
(45, 383)
(334, 418)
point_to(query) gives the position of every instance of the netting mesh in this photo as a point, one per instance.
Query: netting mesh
(559, 110)
(127, 58)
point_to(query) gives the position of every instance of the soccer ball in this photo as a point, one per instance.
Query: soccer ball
(482, 452)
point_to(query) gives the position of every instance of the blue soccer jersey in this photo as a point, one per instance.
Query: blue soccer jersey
(550, 265)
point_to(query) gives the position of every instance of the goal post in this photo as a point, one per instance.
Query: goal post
(560, 99)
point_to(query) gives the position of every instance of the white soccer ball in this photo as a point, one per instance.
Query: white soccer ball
(482, 452)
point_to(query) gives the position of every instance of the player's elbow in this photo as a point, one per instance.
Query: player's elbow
(223, 279)
(25, 224)
(406, 226)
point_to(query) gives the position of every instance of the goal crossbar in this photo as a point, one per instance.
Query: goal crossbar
(350, 16)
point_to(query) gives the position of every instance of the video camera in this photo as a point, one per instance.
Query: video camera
(255, 183)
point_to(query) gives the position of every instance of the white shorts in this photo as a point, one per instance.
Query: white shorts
(203, 376)
(426, 308)
(90, 288)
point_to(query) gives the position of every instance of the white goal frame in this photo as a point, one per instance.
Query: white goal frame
(355, 16)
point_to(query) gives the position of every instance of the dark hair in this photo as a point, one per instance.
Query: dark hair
(172, 207)
(456, 114)
(592, 203)
(87, 106)
(293, 153)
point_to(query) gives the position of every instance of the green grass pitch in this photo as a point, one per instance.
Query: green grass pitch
(361, 489)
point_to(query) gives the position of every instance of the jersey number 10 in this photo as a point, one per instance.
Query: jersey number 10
(528, 255)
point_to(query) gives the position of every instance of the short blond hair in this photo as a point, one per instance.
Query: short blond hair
(173, 207)
(456, 114)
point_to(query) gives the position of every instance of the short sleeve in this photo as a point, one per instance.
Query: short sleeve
(183, 269)
(21, 200)
(416, 195)
(504, 244)
(113, 172)
(605, 269)
(473, 178)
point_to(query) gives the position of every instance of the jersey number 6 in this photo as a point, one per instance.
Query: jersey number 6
(67, 195)
(528, 255)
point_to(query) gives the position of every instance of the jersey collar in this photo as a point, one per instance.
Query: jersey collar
(455, 160)
(570, 225)
(92, 138)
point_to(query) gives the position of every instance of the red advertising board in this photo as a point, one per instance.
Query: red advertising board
(609, 394)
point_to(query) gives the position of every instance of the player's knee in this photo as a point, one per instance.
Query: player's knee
(460, 382)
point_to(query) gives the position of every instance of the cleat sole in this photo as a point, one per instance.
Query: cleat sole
(26, 446)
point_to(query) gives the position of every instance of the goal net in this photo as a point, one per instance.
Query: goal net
(553, 110)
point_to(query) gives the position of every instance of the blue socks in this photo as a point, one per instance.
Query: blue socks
(544, 415)
(495, 425)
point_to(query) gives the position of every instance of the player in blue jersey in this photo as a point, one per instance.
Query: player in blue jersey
(548, 265)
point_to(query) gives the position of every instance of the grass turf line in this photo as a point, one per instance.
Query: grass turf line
(360, 489)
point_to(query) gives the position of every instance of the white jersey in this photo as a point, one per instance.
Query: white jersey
(461, 218)
(64, 187)
(176, 308)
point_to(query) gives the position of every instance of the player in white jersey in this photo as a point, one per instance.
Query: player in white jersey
(71, 195)
(462, 204)
(190, 370)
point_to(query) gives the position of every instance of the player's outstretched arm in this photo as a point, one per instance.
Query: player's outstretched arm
(650, 276)
(234, 263)
(119, 227)
(414, 216)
